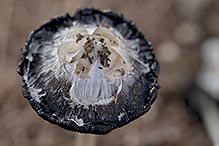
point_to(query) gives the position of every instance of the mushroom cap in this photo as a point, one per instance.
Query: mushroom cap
(91, 72)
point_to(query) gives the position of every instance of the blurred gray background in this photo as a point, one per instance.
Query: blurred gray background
(178, 29)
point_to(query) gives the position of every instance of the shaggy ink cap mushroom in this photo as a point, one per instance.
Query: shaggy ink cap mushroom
(91, 72)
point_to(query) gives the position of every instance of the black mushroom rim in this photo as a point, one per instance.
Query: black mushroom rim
(91, 72)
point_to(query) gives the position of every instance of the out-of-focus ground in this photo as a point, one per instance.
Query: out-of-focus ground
(177, 29)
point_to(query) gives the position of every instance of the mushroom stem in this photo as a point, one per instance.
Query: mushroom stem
(85, 140)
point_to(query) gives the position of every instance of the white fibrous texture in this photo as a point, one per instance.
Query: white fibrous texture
(94, 59)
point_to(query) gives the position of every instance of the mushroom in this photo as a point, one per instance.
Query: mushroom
(91, 72)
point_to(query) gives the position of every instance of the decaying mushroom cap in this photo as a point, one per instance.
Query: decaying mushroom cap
(91, 72)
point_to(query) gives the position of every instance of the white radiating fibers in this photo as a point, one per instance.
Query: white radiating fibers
(92, 89)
